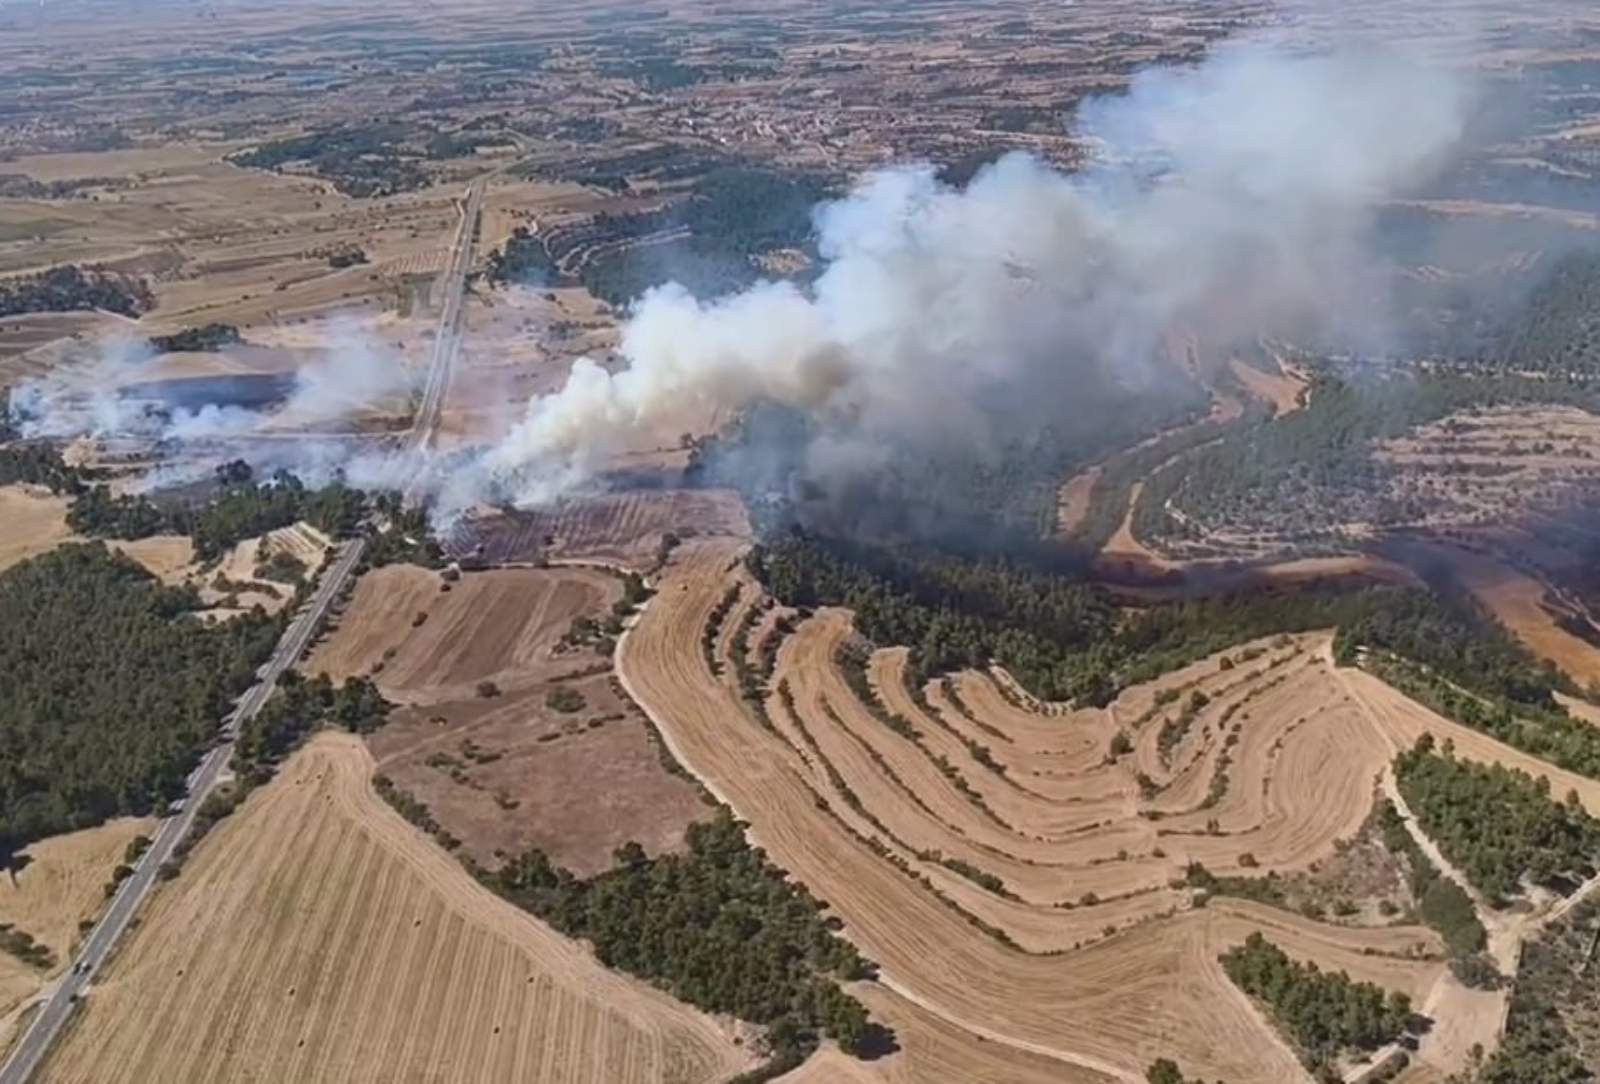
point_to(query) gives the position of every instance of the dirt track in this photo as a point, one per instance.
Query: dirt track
(316, 936)
(1110, 1007)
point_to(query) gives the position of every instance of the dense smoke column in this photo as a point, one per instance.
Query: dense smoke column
(1223, 201)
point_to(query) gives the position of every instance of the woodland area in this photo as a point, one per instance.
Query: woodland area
(297, 706)
(1558, 329)
(1554, 1017)
(109, 689)
(1528, 839)
(361, 160)
(719, 926)
(733, 214)
(205, 337)
(74, 289)
(1324, 1014)
(1301, 475)
(37, 465)
(1064, 639)
(240, 508)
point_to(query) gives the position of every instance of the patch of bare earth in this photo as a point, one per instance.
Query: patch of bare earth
(514, 737)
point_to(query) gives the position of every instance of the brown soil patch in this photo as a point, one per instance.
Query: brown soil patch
(512, 774)
(31, 522)
(316, 936)
(509, 772)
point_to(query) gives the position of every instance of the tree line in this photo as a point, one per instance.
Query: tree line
(36, 463)
(719, 926)
(204, 338)
(295, 708)
(69, 288)
(239, 508)
(1065, 638)
(1323, 1013)
(1441, 903)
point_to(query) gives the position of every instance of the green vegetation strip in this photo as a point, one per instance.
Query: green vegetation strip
(719, 926)
(1497, 824)
(1324, 1014)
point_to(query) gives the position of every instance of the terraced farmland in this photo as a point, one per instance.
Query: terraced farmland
(1018, 868)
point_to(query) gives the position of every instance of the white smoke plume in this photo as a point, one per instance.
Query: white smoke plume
(1222, 198)
(116, 394)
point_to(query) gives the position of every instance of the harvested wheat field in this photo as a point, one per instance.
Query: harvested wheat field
(933, 1050)
(495, 626)
(1010, 877)
(35, 522)
(316, 936)
(167, 557)
(62, 884)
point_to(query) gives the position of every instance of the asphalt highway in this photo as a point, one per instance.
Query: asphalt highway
(131, 895)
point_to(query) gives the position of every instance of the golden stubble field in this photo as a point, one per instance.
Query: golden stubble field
(316, 936)
(1090, 956)
(62, 884)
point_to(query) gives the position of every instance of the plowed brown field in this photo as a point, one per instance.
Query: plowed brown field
(316, 936)
(497, 771)
(879, 822)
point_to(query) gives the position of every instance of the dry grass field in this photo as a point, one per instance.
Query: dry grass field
(1087, 956)
(34, 522)
(316, 936)
(62, 884)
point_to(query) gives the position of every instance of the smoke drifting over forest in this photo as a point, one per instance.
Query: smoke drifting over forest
(1220, 202)
(1223, 201)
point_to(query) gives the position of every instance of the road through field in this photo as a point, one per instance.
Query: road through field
(47, 1022)
(318, 938)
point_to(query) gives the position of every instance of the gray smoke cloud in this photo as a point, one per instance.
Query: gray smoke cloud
(1223, 201)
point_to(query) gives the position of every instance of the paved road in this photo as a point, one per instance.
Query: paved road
(448, 340)
(47, 1022)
